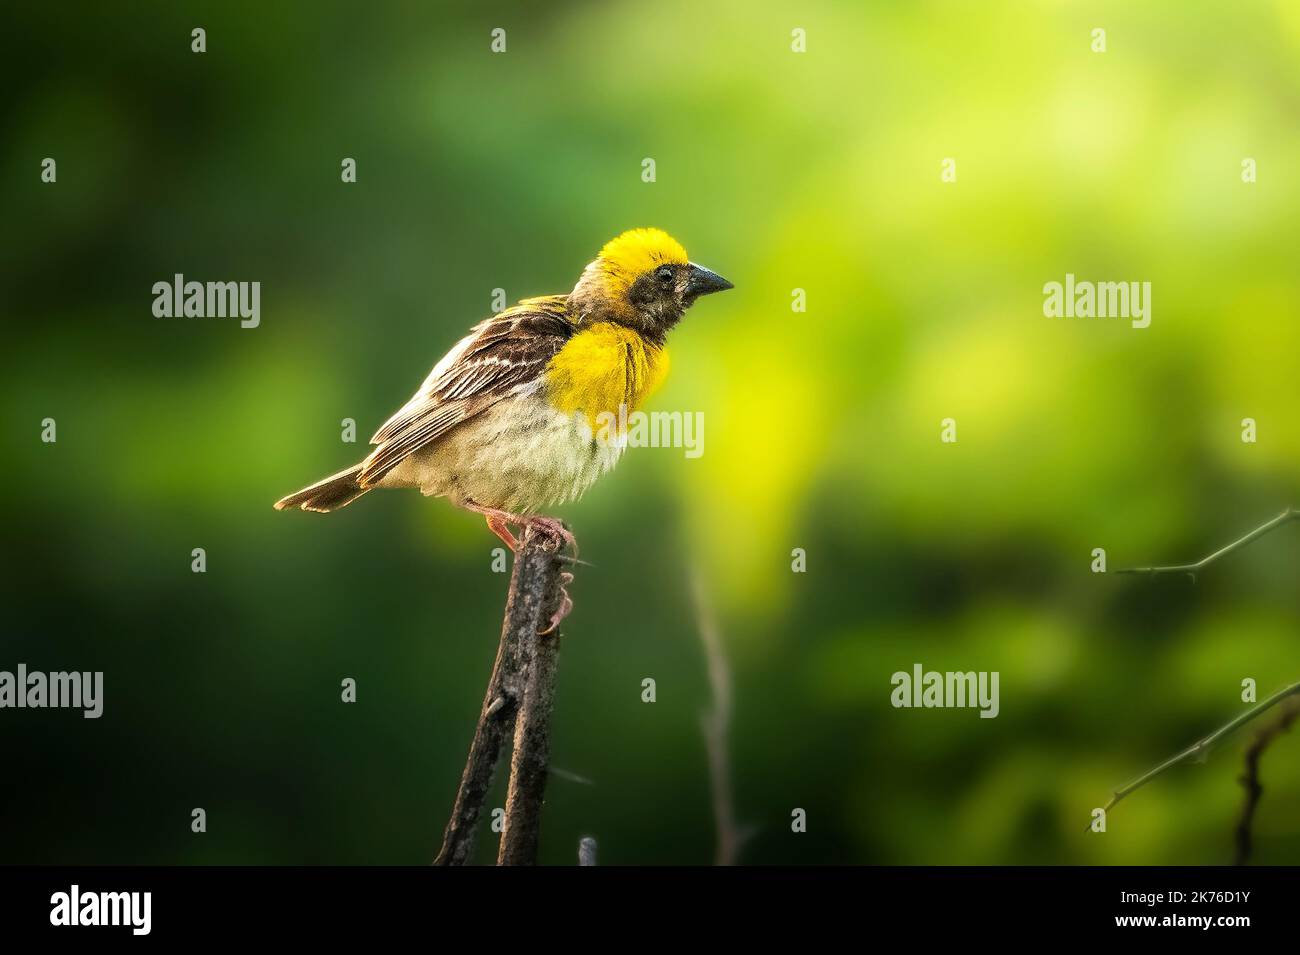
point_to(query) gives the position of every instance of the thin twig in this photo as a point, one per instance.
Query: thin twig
(539, 596)
(570, 776)
(535, 574)
(1290, 514)
(1202, 744)
(716, 724)
(1250, 779)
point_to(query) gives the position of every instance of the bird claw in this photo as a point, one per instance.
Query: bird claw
(562, 611)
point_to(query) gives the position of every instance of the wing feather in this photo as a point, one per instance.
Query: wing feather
(501, 356)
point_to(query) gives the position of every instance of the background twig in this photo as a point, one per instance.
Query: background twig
(716, 726)
(1250, 778)
(1285, 517)
(1202, 744)
(534, 593)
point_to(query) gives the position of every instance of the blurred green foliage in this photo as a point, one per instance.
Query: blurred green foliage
(818, 171)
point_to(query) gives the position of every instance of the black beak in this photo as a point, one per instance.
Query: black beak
(704, 281)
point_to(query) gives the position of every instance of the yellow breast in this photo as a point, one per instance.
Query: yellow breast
(603, 367)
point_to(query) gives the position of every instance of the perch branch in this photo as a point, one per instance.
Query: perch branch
(1203, 744)
(716, 726)
(534, 586)
(1250, 779)
(537, 598)
(1290, 514)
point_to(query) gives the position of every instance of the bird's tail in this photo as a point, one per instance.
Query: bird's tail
(338, 490)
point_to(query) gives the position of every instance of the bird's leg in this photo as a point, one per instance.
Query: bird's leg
(497, 525)
(498, 522)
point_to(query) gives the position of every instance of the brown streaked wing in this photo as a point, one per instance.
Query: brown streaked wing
(504, 353)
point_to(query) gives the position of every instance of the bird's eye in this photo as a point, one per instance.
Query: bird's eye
(664, 274)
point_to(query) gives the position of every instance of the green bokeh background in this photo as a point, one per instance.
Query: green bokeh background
(818, 171)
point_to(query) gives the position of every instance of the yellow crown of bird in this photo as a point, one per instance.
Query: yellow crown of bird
(636, 251)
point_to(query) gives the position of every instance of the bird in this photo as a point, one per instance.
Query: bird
(510, 420)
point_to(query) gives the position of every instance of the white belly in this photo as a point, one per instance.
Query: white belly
(518, 456)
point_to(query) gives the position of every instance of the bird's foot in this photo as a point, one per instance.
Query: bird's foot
(562, 537)
(554, 528)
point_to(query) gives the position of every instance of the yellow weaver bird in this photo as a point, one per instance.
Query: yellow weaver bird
(507, 421)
